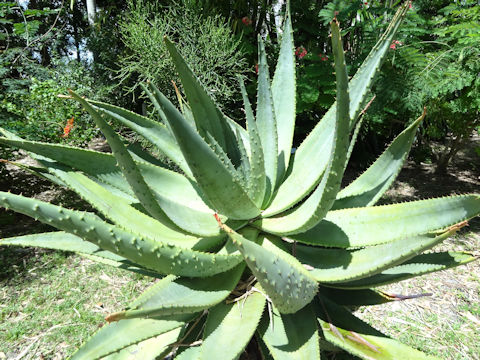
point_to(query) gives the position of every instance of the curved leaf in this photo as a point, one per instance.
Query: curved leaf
(372, 184)
(266, 122)
(67, 242)
(120, 335)
(284, 279)
(162, 257)
(351, 334)
(218, 183)
(172, 296)
(208, 117)
(361, 297)
(150, 349)
(311, 212)
(283, 96)
(417, 266)
(257, 180)
(291, 336)
(125, 162)
(340, 265)
(229, 327)
(155, 132)
(382, 224)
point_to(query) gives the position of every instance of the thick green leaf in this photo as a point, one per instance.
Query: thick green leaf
(98, 164)
(257, 180)
(125, 162)
(340, 265)
(60, 240)
(191, 353)
(266, 122)
(372, 184)
(347, 297)
(208, 117)
(291, 336)
(312, 211)
(382, 224)
(37, 171)
(126, 216)
(244, 167)
(307, 167)
(220, 186)
(288, 284)
(312, 155)
(358, 338)
(354, 137)
(284, 95)
(153, 131)
(229, 327)
(67, 242)
(362, 80)
(150, 349)
(162, 257)
(172, 296)
(179, 197)
(417, 266)
(120, 335)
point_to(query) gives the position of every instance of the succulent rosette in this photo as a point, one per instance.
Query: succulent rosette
(255, 249)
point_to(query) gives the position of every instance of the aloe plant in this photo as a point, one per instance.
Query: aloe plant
(250, 244)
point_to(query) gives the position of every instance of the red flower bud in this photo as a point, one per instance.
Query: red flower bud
(301, 52)
(246, 21)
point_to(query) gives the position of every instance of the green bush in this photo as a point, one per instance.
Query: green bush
(206, 42)
(39, 114)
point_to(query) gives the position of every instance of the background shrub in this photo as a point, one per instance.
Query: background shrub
(205, 40)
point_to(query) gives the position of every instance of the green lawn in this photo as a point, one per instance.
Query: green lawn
(51, 301)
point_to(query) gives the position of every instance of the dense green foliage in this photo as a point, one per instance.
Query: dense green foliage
(256, 250)
(33, 74)
(436, 65)
(206, 42)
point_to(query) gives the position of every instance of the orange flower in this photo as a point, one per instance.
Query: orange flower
(67, 128)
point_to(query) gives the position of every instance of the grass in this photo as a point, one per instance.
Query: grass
(51, 302)
(446, 324)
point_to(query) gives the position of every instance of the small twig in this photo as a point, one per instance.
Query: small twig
(62, 96)
(29, 44)
(368, 105)
(195, 343)
(405, 297)
(330, 325)
(8, 39)
(27, 349)
(179, 343)
(358, 339)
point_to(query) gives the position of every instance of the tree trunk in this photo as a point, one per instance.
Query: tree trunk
(277, 14)
(447, 155)
(91, 11)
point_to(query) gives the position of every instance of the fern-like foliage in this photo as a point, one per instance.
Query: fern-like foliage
(435, 63)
